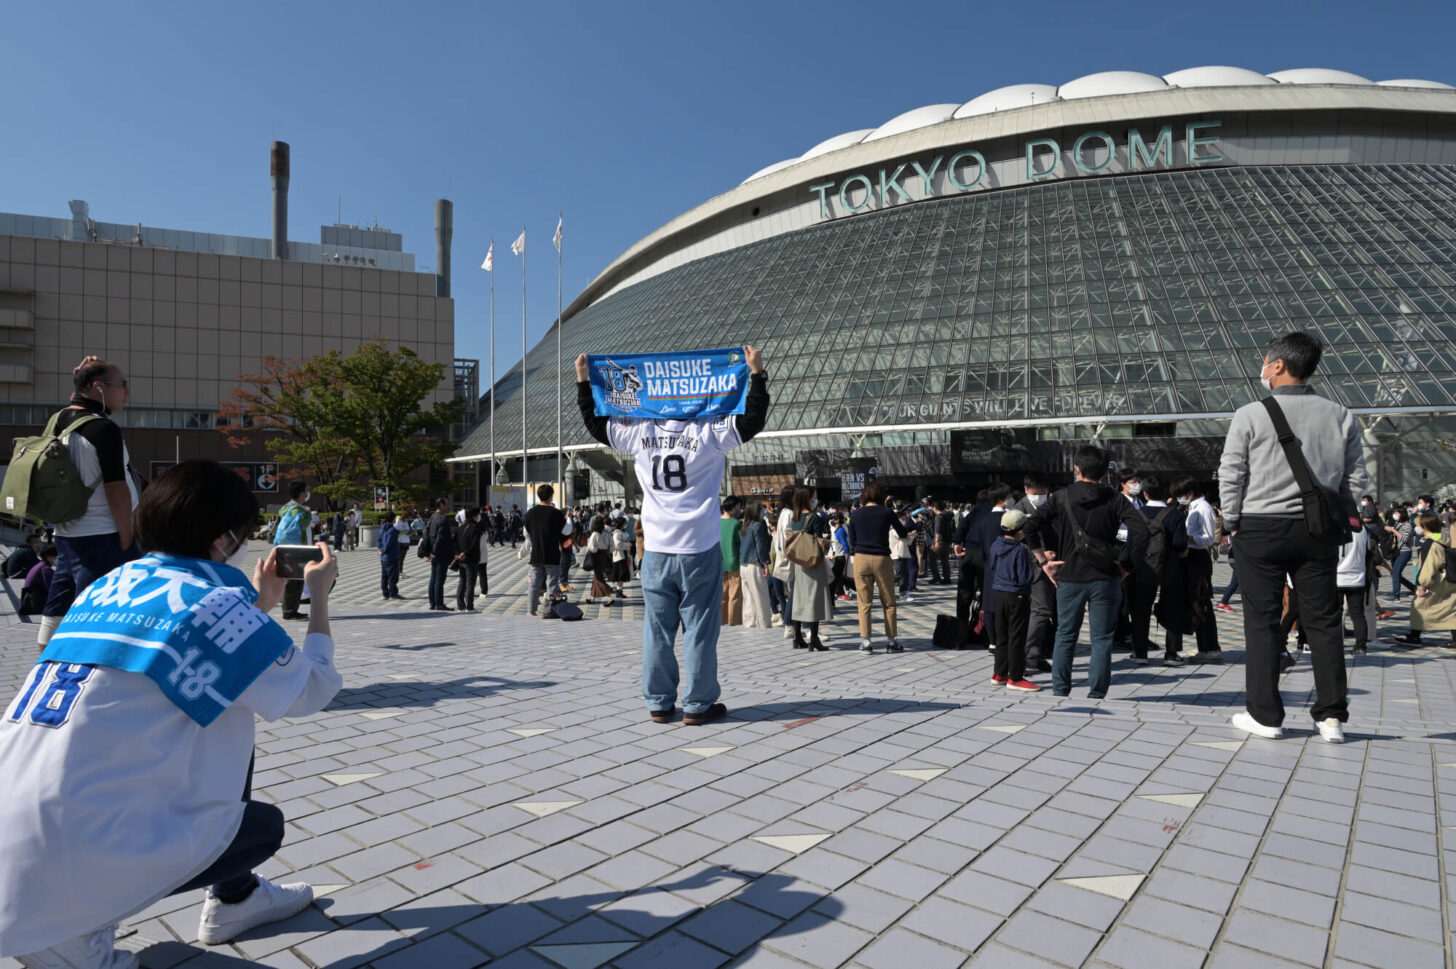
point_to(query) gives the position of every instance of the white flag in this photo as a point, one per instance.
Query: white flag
(489, 264)
(519, 246)
(556, 239)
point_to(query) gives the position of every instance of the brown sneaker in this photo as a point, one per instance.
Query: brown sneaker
(715, 712)
(662, 716)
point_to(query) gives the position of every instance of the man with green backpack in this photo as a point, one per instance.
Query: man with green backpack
(77, 477)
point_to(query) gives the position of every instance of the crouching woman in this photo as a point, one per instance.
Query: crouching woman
(128, 752)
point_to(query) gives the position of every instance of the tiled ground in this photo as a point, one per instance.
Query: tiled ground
(487, 789)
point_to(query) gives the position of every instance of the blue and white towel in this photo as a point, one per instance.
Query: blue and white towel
(687, 385)
(189, 624)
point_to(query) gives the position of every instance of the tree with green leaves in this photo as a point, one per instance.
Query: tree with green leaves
(338, 417)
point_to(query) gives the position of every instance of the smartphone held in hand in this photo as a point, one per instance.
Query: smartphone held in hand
(291, 559)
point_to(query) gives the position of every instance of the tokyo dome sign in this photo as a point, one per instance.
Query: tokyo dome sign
(1093, 152)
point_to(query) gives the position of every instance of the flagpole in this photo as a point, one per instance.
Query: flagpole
(525, 480)
(561, 482)
(491, 482)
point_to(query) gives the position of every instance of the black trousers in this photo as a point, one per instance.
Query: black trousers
(1012, 613)
(1196, 601)
(259, 837)
(1142, 588)
(1269, 550)
(1355, 605)
(465, 585)
(940, 563)
(292, 595)
(1041, 631)
(968, 585)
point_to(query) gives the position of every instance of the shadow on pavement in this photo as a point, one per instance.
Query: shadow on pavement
(398, 693)
(628, 921)
(841, 707)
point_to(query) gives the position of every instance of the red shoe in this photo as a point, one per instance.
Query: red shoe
(999, 680)
(1026, 686)
(1224, 606)
(1385, 614)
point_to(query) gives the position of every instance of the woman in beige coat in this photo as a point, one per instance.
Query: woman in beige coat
(1434, 607)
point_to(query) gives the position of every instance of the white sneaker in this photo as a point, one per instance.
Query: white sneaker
(94, 950)
(865, 646)
(1332, 731)
(788, 631)
(1248, 724)
(268, 903)
(990, 647)
(776, 620)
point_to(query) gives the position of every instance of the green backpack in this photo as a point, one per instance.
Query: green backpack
(42, 482)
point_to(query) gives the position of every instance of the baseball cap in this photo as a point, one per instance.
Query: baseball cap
(1013, 520)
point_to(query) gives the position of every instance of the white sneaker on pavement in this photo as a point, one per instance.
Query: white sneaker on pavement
(1248, 724)
(268, 903)
(1332, 731)
(788, 631)
(94, 950)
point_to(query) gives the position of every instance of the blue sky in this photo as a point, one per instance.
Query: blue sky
(621, 115)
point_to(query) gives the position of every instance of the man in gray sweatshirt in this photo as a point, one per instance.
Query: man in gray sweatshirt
(1263, 509)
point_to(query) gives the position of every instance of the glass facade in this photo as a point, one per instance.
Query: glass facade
(1122, 298)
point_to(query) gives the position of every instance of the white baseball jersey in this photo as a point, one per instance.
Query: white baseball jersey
(114, 796)
(679, 465)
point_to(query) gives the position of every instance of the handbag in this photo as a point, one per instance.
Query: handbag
(1325, 514)
(803, 550)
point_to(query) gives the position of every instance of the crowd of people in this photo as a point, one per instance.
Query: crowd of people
(203, 658)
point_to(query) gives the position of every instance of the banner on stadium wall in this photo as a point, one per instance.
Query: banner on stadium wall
(685, 385)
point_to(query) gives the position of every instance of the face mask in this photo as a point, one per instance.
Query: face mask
(1185, 501)
(239, 555)
(1267, 385)
(1135, 488)
(1036, 500)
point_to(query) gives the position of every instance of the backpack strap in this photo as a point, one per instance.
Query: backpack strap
(50, 428)
(1292, 452)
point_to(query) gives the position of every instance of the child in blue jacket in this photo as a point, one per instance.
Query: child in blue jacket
(1009, 566)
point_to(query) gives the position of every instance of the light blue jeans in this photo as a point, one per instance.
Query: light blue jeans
(686, 589)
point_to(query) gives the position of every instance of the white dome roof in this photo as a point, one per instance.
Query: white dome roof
(910, 120)
(1414, 82)
(837, 142)
(1217, 77)
(776, 166)
(1014, 96)
(1318, 75)
(1110, 82)
(1103, 84)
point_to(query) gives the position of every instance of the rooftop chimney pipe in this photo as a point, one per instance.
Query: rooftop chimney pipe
(279, 170)
(444, 230)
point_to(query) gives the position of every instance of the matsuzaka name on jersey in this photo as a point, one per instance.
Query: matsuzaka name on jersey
(1090, 153)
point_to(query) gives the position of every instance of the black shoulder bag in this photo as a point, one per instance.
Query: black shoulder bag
(1099, 554)
(1322, 507)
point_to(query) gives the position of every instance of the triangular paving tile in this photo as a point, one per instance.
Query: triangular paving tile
(543, 809)
(321, 891)
(1446, 765)
(1408, 700)
(906, 669)
(530, 731)
(794, 843)
(1219, 744)
(1007, 728)
(401, 676)
(1178, 800)
(381, 714)
(342, 779)
(1116, 886)
(582, 955)
(706, 751)
(921, 774)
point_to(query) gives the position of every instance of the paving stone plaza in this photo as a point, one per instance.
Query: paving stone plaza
(487, 789)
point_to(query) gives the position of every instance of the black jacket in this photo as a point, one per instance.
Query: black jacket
(468, 540)
(1099, 511)
(440, 534)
